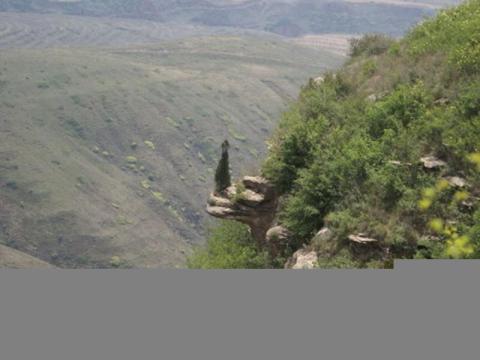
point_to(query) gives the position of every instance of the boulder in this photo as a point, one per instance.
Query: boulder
(277, 238)
(432, 162)
(442, 101)
(259, 185)
(319, 80)
(361, 239)
(398, 163)
(303, 259)
(278, 234)
(325, 234)
(457, 181)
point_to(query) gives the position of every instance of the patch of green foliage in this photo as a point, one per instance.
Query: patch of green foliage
(455, 32)
(149, 144)
(342, 260)
(74, 128)
(239, 193)
(347, 154)
(374, 44)
(118, 263)
(229, 246)
(131, 159)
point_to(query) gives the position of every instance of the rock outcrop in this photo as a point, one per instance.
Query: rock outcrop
(277, 238)
(319, 80)
(252, 201)
(361, 239)
(302, 259)
(323, 235)
(457, 181)
(432, 162)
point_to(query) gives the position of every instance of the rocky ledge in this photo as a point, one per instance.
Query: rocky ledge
(252, 201)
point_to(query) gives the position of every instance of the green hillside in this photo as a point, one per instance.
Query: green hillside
(107, 156)
(385, 151)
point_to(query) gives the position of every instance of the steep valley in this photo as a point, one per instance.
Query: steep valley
(107, 155)
(112, 113)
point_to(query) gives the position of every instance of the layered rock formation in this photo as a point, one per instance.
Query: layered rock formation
(253, 201)
(303, 259)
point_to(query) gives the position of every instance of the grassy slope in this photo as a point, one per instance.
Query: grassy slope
(33, 30)
(68, 193)
(14, 259)
(348, 153)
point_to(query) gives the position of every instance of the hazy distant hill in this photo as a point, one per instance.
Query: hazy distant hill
(107, 156)
(290, 18)
(34, 30)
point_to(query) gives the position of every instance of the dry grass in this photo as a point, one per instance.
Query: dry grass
(336, 43)
(13, 259)
(68, 119)
(28, 30)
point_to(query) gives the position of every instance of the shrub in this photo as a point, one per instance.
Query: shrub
(149, 144)
(229, 246)
(239, 193)
(455, 32)
(74, 128)
(131, 160)
(370, 44)
(342, 260)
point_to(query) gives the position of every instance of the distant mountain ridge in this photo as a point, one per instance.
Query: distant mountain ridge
(288, 18)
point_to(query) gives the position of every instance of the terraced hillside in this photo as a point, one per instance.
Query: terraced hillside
(288, 18)
(106, 156)
(31, 30)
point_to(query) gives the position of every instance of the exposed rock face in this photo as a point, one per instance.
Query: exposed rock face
(252, 202)
(302, 259)
(375, 97)
(364, 248)
(325, 234)
(431, 162)
(319, 80)
(278, 237)
(457, 181)
(399, 163)
(278, 233)
(361, 239)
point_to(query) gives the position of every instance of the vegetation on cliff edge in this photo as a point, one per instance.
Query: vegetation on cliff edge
(351, 153)
(348, 154)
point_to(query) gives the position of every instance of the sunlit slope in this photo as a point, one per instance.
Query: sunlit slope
(106, 156)
(31, 30)
(14, 259)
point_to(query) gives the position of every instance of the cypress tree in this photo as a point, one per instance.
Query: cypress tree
(222, 174)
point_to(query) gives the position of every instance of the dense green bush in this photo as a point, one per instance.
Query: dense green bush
(455, 32)
(229, 246)
(373, 44)
(347, 154)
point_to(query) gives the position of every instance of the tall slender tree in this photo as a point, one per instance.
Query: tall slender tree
(222, 174)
